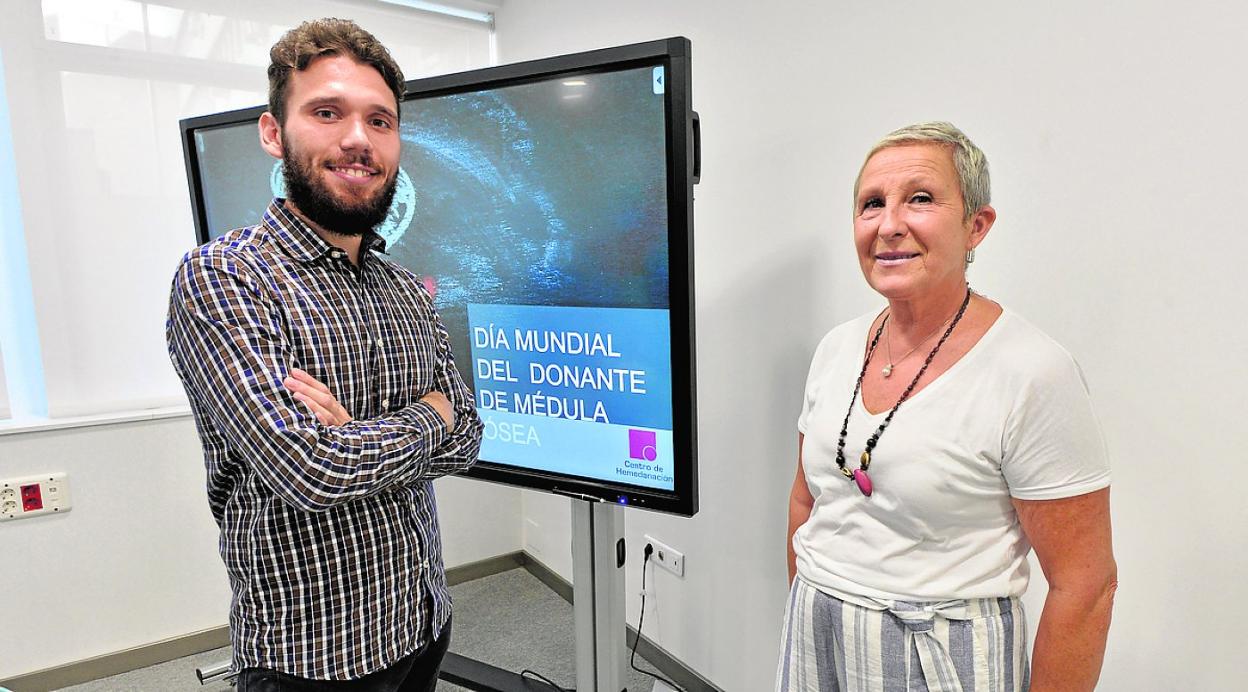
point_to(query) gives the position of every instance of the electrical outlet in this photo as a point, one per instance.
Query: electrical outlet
(27, 497)
(667, 558)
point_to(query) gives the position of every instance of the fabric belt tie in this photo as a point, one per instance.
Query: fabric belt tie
(934, 659)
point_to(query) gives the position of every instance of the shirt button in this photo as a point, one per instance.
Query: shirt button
(385, 403)
(424, 565)
(379, 343)
(336, 254)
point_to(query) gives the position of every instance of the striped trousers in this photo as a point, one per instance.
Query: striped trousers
(830, 645)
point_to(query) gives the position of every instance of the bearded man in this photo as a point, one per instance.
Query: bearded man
(324, 391)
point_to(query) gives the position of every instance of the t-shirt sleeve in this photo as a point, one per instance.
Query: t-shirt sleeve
(1052, 444)
(819, 364)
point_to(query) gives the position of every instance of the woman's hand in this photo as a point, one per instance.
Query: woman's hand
(317, 397)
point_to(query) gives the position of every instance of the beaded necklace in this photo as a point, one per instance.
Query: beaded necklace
(859, 475)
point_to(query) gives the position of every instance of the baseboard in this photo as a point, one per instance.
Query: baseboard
(547, 576)
(120, 662)
(485, 568)
(161, 652)
(668, 665)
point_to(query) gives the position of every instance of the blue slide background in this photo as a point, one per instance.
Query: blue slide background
(577, 448)
(577, 443)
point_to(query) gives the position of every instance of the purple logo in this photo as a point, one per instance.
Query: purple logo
(643, 445)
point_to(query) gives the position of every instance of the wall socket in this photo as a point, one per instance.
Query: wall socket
(666, 557)
(34, 495)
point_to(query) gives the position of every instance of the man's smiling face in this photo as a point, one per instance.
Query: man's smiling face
(340, 145)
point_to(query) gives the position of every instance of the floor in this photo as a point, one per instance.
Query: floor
(510, 620)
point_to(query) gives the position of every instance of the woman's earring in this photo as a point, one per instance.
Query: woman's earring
(970, 255)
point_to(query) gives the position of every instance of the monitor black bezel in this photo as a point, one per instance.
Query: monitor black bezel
(682, 172)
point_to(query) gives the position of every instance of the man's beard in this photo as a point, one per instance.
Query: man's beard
(313, 199)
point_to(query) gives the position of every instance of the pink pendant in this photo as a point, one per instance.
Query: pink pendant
(863, 481)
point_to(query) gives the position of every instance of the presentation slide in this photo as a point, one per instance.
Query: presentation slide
(581, 391)
(536, 216)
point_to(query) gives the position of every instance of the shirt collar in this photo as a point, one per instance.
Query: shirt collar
(376, 243)
(301, 242)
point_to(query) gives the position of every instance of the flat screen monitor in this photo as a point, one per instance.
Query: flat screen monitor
(547, 207)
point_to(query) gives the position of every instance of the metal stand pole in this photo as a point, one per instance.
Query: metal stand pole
(598, 595)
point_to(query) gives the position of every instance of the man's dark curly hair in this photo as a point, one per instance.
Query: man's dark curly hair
(310, 40)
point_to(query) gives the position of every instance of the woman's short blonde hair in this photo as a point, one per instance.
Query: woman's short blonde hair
(968, 160)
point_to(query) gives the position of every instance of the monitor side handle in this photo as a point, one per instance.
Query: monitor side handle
(697, 148)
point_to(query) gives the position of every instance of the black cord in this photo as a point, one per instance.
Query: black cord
(545, 679)
(641, 618)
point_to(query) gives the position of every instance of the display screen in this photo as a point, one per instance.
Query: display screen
(537, 214)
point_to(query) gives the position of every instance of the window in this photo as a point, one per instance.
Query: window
(5, 412)
(97, 214)
(23, 385)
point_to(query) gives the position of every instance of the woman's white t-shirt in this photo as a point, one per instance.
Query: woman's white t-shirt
(1011, 418)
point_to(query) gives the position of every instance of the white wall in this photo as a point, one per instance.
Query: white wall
(479, 520)
(547, 530)
(1114, 132)
(135, 561)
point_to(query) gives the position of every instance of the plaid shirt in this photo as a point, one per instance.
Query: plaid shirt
(329, 534)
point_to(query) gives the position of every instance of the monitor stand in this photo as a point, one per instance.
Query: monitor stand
(597, 608)
(598, 595)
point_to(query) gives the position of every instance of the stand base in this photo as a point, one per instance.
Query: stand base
(483, 677)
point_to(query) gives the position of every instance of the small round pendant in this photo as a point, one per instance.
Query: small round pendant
(888, 370)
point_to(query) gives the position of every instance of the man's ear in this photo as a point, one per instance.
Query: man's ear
(271, 135)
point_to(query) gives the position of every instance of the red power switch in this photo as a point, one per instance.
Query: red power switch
(32, 498)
